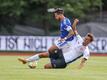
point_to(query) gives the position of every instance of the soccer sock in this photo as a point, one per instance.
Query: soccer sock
(33, 58)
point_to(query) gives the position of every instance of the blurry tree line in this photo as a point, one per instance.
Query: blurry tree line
(34, 12)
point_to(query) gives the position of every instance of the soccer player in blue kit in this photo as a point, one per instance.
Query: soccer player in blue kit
(65, 40)
(66, 32)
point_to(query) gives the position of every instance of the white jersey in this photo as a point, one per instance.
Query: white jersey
(76, 51)
(65, 45)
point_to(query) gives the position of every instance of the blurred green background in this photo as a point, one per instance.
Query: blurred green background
(31, 14)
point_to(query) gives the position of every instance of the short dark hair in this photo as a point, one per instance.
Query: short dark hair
(59, 11)
(91, 36)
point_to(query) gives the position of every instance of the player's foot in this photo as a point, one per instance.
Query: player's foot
(22, 60)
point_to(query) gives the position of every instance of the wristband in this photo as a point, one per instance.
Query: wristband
(65, 38)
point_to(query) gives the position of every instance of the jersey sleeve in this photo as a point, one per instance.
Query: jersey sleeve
(86, 53)
(67, 25)
(79, 38)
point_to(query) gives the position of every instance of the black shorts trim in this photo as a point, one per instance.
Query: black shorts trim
(75, 59)
(57, 59)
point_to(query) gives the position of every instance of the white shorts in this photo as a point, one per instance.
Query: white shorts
(65, 45)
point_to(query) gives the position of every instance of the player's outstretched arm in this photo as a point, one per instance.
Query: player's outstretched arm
(82, 63)
(74, 26)
(71, 32)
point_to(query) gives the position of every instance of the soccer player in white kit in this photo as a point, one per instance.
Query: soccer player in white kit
(80, 49)
(60, 58)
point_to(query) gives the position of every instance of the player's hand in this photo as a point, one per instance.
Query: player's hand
(59, 39)
(80, 66)
(76, 20)
(63, 39)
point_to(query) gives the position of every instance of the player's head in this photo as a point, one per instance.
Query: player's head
(88, 39)
(58, 13)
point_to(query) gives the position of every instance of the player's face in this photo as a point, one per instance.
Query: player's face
(57, 17)
(87, 40)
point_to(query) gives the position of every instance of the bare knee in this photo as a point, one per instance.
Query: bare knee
(48, 66)
(51, 49)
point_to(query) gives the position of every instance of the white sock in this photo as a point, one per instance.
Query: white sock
(33, 58)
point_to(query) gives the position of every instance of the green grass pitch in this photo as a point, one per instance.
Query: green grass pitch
(12, 69)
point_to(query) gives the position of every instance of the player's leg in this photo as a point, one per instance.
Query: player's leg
(38, 55)
(57, 60)
(48, 66)
(33, 58)
(52, 48)
(43, 54)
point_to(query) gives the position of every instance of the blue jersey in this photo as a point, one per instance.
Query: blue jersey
(64, 25)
